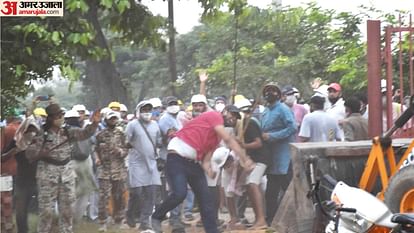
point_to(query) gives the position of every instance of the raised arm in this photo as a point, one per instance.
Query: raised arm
(203, 80)
(79, 134)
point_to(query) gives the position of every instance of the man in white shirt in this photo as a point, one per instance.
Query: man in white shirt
(319, 126)
(337, 108)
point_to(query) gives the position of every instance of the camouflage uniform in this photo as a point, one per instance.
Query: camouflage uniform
(112, 172)
(56, 183)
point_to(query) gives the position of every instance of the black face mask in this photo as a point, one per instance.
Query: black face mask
(74, 122)
(270, 97)
(333, 99)
(228, 122)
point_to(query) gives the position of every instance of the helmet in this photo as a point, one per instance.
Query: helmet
(123, 108)
(114, 105)
(79, 107)
(243, 103)
(238, 98)
(199, 99)
(40, 112)
(71, 113)
(155, 102)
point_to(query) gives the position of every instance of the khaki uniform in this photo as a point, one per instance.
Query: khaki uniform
(56, 183)
(112, 172)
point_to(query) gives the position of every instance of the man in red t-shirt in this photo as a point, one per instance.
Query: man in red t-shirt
(189, 158)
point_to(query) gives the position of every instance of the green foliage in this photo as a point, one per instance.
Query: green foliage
(46, 42)
(288, 45)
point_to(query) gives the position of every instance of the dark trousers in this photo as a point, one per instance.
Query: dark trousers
(215, 195)
(276, 186)
(141, 203)
(24, 192)
(181, 171)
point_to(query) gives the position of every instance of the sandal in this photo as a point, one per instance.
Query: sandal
(235, 226)
(262, 227)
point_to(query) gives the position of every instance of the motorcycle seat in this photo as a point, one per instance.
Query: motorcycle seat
(403, 219)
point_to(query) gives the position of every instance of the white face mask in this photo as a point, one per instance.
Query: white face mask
(290, 100)
(219, 107)
(174, 109)
(145, 116)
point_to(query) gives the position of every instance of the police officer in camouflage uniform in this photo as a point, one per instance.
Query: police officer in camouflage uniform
(112, 172)
(55, 175)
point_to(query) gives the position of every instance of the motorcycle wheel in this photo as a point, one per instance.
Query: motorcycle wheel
(399, 195)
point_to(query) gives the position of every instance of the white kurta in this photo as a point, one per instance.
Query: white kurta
(142, 166)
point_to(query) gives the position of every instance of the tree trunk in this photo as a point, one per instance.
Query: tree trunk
(102, 78)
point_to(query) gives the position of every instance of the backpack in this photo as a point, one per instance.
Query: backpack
(81, 150)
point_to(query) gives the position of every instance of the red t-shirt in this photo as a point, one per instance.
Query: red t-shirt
(199, 133)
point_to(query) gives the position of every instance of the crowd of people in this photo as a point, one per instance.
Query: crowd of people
(133, 169)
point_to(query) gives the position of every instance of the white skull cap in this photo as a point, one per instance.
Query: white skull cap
(199, 99)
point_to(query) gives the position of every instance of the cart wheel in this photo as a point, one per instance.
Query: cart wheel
(399, 195)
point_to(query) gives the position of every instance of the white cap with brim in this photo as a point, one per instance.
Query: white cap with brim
(111, 114)
(219, 157)
(142, 104)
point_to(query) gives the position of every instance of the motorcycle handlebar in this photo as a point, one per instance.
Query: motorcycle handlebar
(349, 210)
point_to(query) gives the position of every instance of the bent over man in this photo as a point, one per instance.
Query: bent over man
(189, 156)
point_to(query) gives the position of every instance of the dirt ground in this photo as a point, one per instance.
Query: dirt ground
(86, 226)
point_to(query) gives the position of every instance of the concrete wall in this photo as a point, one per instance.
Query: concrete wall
(342, 160)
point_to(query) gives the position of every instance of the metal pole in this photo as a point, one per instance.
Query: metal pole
(410, 57)
(171, 46)
(388, 61)
(400, 63)
(236, 16)
(374, 77)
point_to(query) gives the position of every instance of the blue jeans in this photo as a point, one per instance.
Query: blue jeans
(181, 171)
(189, 202)
(186, 206)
